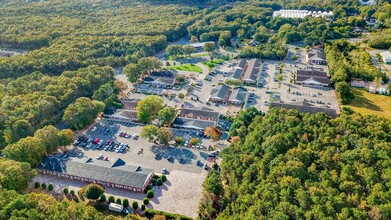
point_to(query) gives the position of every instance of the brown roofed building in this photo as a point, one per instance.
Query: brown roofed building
(251, 71)
(199, 114)
(316, 56)
(130, 104)
(312, 78)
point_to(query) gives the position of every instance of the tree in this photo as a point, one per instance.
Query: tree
(344, 92)
(193, 39)
(148, 107)
(50, 187)
(164, 178)
(149, 132)
(150, 194)
(174, 50)
(213, 132)
(37, 185)
(135, 205)
(92, 191)
(43, 185)
(209, 47)
(82, 112)
(111, 199)
(143, 207)
(166, 115)
(145, 201)
(164, 135)
(120, 85)
(125, 203)
(194, 141)
(159, 182)
(132, 71)
(102, 198)
(29, 149)
(72, 192)
(181, 96)
(178, 140)
(65, 191)
(188, 50)
(20, 129)
(118, 201)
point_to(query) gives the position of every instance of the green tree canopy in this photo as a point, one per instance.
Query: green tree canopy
(148, 108)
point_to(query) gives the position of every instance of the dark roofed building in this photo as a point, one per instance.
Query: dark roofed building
(106, 173)
(251, 71)
(220, 94)
(165, 79)
(199, 114)
(316, 56)
(235, 74)
(241, 64)
(238, 96)
(312, 78)
(123, 114)
(192, 124)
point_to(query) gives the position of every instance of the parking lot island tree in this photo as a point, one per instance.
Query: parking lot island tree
(50, 187)
(149, 132)
(65, 191)
(181, 96)
(118, 201)
(102, 198)
(159, 182)
(178, 140)
(164, 178)
(213, 132)
(148, 108)
(145, 201)
(37, 185)
(164, 135)
(43, 185)
(194, 141)
(166, 115)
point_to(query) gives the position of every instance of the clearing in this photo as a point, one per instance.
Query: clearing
(367, 103)
(187, 67)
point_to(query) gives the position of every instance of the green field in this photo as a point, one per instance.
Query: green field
(187, 67)
(213, 63)
(367, 103)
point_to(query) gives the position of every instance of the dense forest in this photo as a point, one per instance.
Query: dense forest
(289, 165)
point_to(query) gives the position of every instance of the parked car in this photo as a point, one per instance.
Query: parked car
(135, 137)
(93, 129)
(164, 171)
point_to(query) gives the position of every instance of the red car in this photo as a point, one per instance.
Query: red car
(96, 141)
(107, 142)
(124, 134)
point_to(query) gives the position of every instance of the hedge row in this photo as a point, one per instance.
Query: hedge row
(149, 213)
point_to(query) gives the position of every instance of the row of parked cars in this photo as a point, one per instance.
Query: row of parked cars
(127, 135)
(100, 144)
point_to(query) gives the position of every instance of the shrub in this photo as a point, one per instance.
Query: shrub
(103, 198)
(72, 192)
(43, 185)
(50, 187)
(149, 187)
(65, 190)
(143, 207)
(135, 205)
(76, 199)
(159, 182)
(164, 178)
(150, 194)
(178, 140)
(153, 180)
(145, 201)
(111, 199)
(37, 185)
(126, 203)
(153, 184)
(118, 201)
(194, 141)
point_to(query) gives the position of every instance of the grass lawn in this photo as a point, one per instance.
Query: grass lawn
(187, 67)
(367, 103)
(213, 63)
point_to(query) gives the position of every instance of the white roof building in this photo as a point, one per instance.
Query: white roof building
(386, 55)
(300, 13)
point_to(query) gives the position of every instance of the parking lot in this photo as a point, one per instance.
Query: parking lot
(141, 152)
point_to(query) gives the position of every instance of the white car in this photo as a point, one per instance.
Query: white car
(93, 129)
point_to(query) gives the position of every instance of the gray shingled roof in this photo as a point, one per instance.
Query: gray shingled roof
(238, 94)
(116, 172)
(199, 113)
(252, 70)
(192, 123)
(220, 91)
(319, 76)
(316, 54)
(235, 73)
